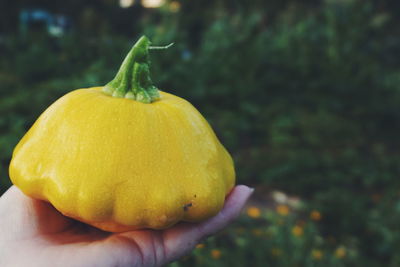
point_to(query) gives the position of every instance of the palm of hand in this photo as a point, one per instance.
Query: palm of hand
(35, 234)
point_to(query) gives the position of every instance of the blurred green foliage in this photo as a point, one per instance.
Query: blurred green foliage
(274, 238)
(304, 94)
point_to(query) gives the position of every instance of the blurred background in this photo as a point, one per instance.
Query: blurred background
(304, 94)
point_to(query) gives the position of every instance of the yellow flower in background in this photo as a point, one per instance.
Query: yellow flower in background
(216, 254)
(316, 254)
(297, 230)
(257, 232)
(276, 252)
(174, 6)
(282, 210)
(315, 215)
(200, 245)
(340, 252)
(253, 212)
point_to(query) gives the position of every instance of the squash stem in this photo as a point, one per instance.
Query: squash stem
(133, 78)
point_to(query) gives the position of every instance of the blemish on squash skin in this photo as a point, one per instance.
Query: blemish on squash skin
(163, 218)
(187, 206)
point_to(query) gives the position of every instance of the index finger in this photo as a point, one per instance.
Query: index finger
(182, 238)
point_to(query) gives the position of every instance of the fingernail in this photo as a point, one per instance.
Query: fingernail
(251, 190)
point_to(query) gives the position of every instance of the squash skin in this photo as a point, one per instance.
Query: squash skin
(120, 165)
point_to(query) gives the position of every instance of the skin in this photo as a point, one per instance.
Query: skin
(35, 234)
(95, 157)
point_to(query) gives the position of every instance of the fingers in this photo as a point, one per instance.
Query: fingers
(181, 239)
(24, 216)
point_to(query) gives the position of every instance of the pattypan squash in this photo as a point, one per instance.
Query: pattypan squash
(125, 156)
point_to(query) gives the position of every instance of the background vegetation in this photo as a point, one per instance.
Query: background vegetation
(304, 94)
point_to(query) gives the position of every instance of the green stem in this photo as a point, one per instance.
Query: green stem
(133, 78)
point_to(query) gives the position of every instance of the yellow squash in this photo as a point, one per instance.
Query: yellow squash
(125, 156)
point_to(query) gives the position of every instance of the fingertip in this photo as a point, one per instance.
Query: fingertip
(242, 192)
(244, 188)
(192, 233)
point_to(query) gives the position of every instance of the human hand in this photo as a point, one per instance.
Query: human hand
(36, 234)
